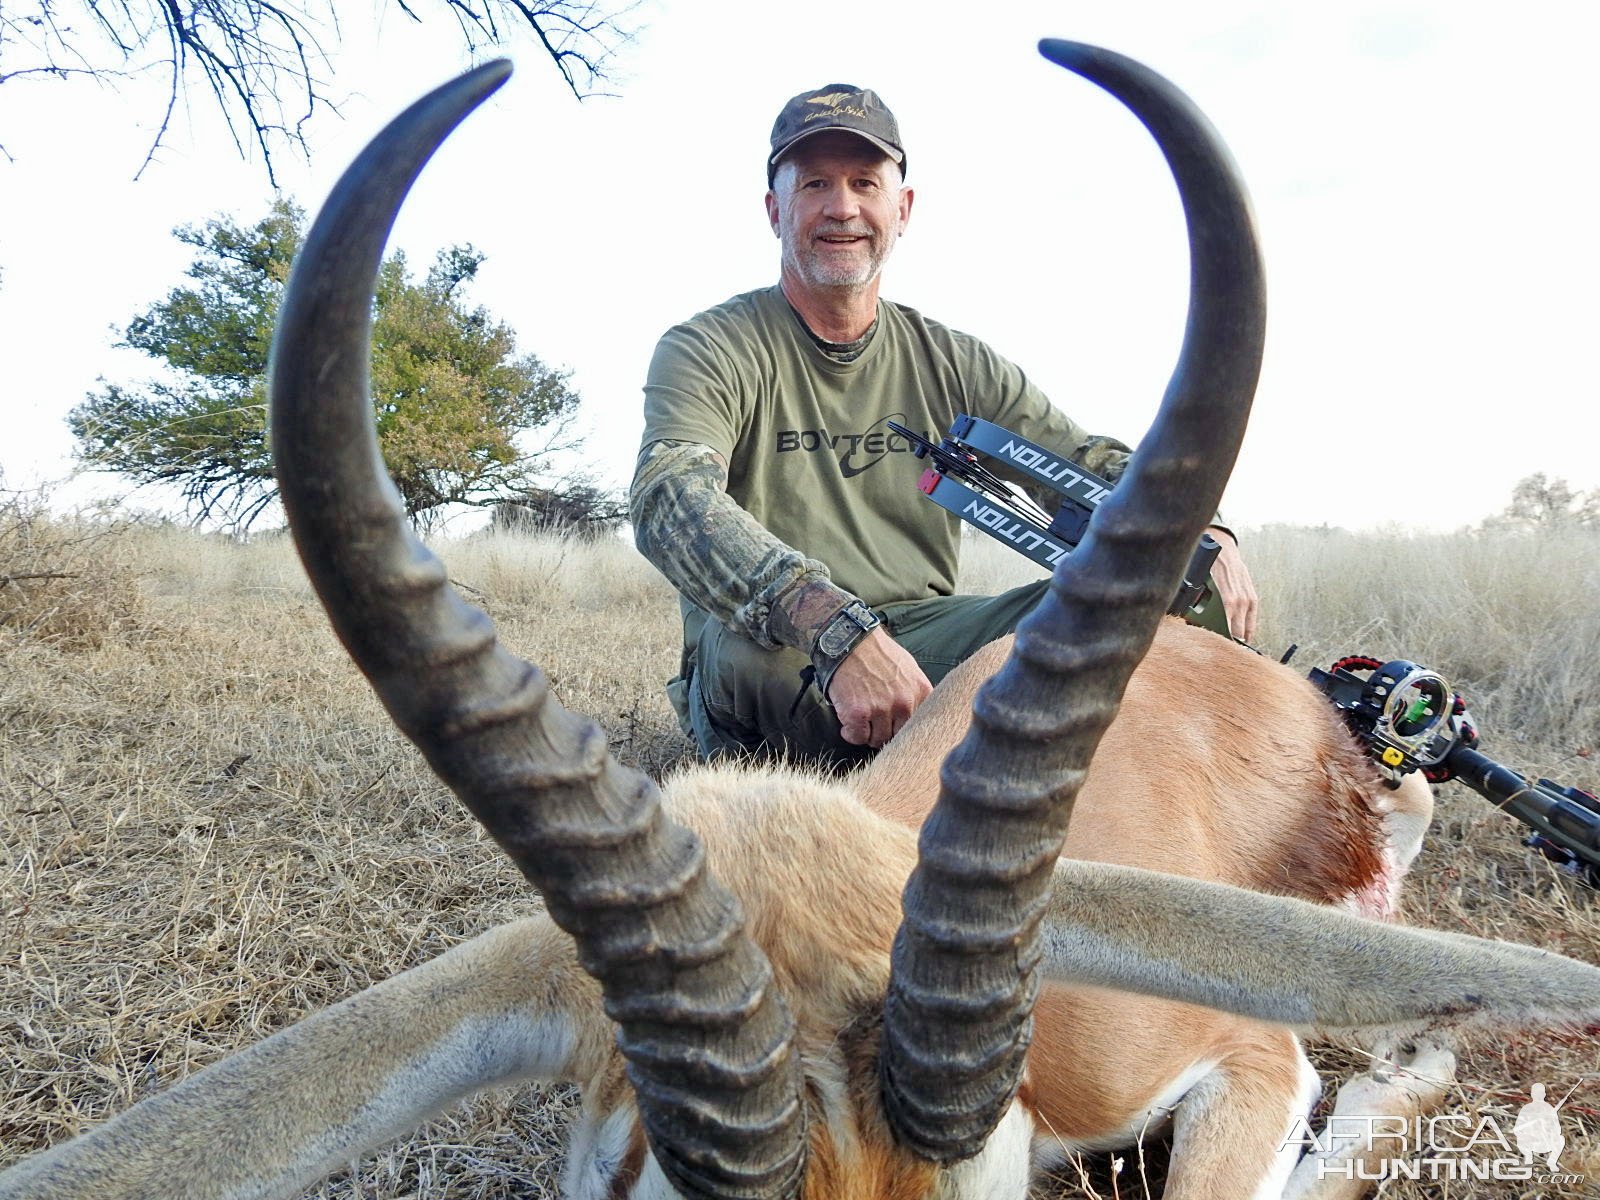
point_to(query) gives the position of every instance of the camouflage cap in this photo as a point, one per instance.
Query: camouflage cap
(836, 106)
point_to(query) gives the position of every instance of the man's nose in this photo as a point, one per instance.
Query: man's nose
(843, 204)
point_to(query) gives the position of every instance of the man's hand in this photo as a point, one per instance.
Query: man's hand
(1235, 588)
(876, 689)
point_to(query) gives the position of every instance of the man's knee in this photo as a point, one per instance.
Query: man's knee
(942, 632)
(747, 700)
(741, 681)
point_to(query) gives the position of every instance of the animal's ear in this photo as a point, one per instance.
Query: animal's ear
(1295, 963)
(509, 1006)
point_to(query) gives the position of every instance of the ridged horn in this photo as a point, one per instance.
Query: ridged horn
(707, 1039)
(958, 1015)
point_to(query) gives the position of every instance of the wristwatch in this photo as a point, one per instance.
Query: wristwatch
(848, 626)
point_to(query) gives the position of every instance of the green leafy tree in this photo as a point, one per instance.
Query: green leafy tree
(1539, 503)
(450, 391)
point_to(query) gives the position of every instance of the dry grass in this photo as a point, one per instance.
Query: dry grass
(208, 829)
(1513, 622)
(210, 833)
(61, 582)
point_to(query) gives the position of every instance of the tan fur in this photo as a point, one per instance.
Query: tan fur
(1227, 1146)
(820, 880)
(852, 1153)
(1220, 765)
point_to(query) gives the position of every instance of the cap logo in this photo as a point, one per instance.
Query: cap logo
(835, 115)
(832, 99)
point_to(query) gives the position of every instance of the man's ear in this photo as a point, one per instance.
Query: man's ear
(906, 197)
(772, 212)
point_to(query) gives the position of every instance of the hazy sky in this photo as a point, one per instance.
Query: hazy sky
(1427, 211)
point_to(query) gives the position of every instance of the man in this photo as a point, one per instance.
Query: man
(770, 491)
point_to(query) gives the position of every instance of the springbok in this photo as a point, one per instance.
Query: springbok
(841, 1011)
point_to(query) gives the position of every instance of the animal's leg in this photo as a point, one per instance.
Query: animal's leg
(1228, 1128)
(1406, 817)
(1397, 1093)
(508, 1006)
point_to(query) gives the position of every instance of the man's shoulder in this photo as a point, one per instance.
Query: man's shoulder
(737, 315)
(725, 346)
(960, 346)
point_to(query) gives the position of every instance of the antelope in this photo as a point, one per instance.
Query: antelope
(764, 982)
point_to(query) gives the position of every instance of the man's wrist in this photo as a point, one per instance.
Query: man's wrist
(798, 615)
(843, 633)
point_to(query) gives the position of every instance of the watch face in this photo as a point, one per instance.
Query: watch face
(838, 638)
(846, 629)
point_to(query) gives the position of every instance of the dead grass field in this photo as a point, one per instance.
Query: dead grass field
(208, 828)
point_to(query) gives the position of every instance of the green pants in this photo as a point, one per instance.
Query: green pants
(735, 697)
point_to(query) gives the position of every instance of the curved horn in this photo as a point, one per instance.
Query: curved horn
(708, 1042)
(958, 1016)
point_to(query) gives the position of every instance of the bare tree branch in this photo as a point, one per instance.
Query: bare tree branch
(265, 63)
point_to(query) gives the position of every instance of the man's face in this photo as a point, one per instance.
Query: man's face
(838, 207)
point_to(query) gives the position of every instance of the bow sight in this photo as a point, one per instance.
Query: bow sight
(1411, 721)
(1405, 714)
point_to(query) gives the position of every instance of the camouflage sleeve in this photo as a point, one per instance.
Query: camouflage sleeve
(1103, 456)
(719, 557)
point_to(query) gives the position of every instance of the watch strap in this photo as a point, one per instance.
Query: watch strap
(842, 634)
